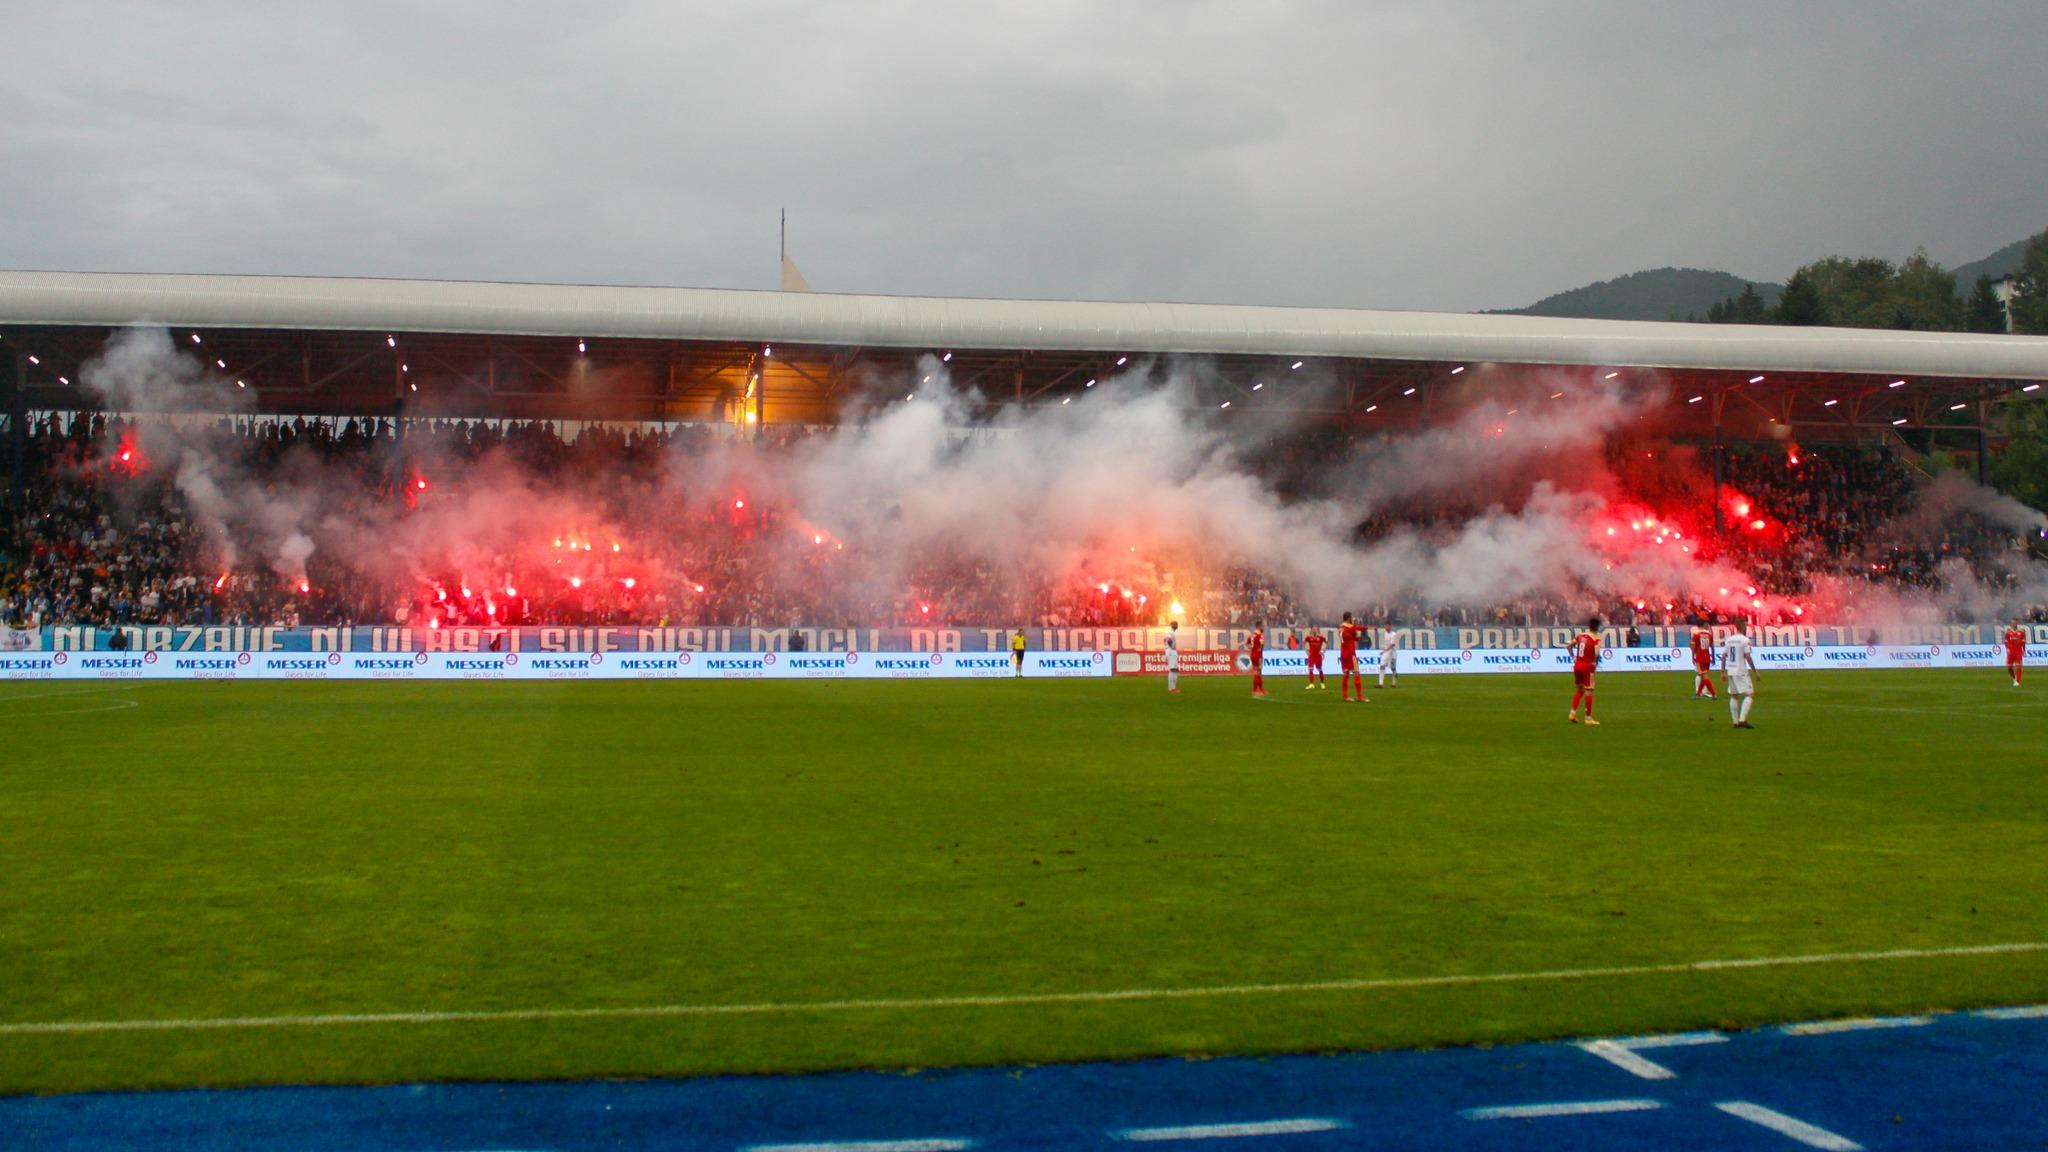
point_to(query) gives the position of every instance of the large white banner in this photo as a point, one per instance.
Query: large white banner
(543, 665)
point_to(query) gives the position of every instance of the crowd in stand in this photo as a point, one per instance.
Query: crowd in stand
(106, 536)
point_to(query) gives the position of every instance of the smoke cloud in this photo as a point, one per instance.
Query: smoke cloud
(1508, 495)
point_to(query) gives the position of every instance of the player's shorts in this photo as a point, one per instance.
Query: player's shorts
(1738, 684)
(1348, 663)
(1016, 657)
(1582, 678)
(1315, 663)
(2015, 655)
(1703, 665)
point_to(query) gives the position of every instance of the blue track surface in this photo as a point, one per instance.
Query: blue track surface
(1962, 1081)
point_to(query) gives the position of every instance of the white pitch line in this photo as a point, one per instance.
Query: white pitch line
(1858, 1024)
(1563, 1108)
(940, 1145)
(1026, 999)
(2030, 1012)
(1800, 1130)
(1232, 1131)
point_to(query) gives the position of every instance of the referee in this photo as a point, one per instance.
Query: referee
(1017, 652)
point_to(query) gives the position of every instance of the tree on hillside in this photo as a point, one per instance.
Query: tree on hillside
(2021, 471)
(1985, 312)
(1801, 302)
(1923, 296)
(1746, 307)
(2030, 304)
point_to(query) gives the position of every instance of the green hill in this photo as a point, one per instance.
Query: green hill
(2003, 262)
(1658, 294)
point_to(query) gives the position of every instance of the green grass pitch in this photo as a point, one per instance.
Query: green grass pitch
(264, 850)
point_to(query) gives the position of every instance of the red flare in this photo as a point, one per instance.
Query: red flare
(221, 583)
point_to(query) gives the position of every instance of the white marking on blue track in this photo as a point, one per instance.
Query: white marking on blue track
(1234, 1131)
(2029, 1012)
(939, 1145)
(1621, 1051)
(1810, 1135)
(1858, 1024)
(1561, 1108)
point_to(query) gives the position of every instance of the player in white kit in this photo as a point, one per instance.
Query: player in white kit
(1173, 656)
(1390, 643)
(1739, 669)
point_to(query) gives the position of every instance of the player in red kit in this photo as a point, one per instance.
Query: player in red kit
(1314, 644)
(1702, 663)
(1348, 636)
(2015, 651)
(1585, 652)
(1257, 644)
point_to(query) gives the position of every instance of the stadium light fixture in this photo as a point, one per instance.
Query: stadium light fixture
(580, 348)
(412, 387)
(1610, 375)
(220, 363)
(1409, 392)
(1226, 404)
(1896, 384)
(195, 337)
(1756, 379)
(405, 367)
(389, 341)
(768, 350)
(926, 380)
(1259, 385)
(1829, 403)
(1122, 360)
(1555, 395)
(66, 380)
(1090, 384)
(241, 384)
(945, 357)
(911, 396)
(1372, 407)
(1695, 399)
(1066, 400)
(33, 360)
(2030, 387)
(1458, 369)
(1899, 421)
(1297, 364)
(1957, 407)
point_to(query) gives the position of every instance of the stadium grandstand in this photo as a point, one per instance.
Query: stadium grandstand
(1808, 444)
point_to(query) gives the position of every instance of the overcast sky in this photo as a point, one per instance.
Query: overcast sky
(1374, 153)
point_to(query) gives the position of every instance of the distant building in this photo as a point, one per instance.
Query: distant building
(2008, 288)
